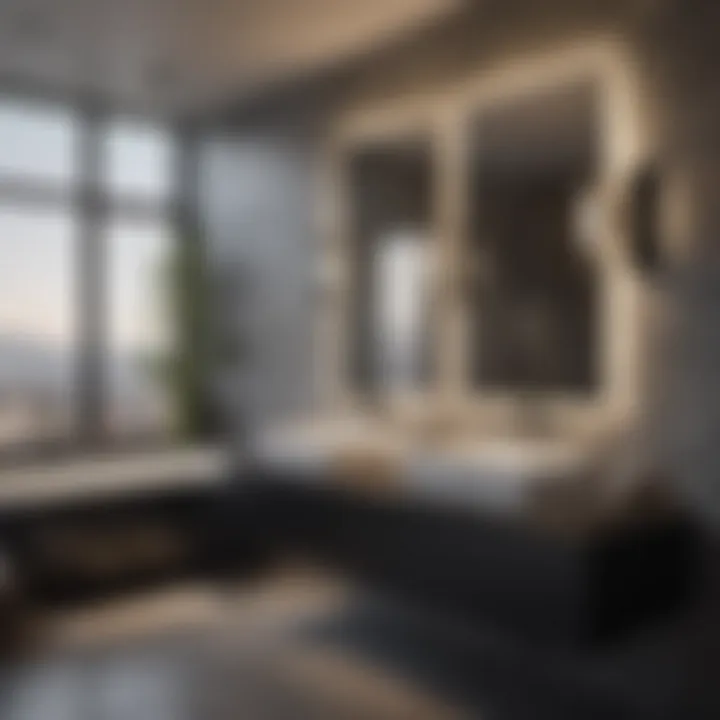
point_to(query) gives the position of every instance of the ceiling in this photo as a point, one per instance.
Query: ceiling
(176, 56)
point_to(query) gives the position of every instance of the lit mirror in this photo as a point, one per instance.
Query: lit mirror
(391, 269)
(535, 302)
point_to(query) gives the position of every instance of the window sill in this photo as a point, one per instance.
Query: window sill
(110, 476)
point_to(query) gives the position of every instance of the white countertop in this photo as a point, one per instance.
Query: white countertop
(496, 474)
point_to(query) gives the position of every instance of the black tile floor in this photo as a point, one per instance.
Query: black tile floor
(310, 647)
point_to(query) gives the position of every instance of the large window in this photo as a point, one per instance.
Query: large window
(37, 272)
(139, 256)
(37, 142)
(138, 161)
(535, 310)
(36, 323)
(85, 329)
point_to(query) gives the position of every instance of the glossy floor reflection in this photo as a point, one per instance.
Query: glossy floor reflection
(303, 646)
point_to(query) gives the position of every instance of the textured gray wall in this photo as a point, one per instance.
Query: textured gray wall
(257, 188)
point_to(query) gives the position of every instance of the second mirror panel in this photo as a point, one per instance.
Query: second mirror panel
(535, 297)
